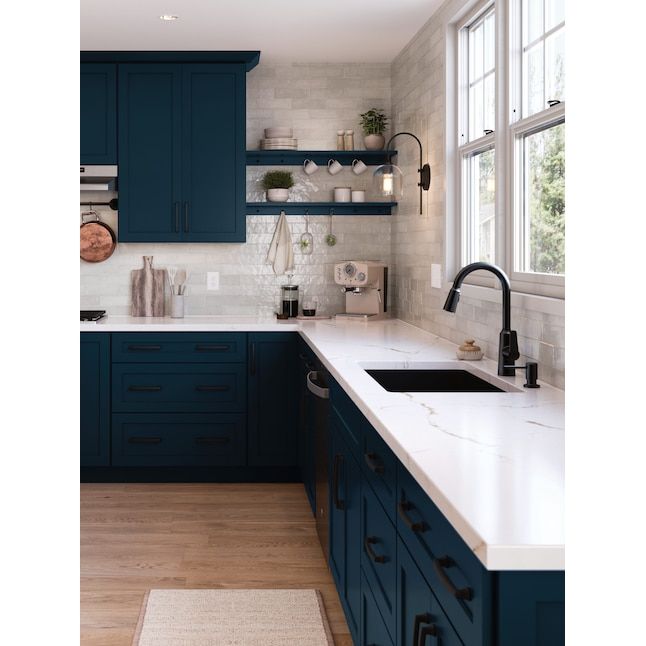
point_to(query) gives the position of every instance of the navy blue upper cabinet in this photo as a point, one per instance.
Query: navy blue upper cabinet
(95, 399)
(272, 405)
(98, 113)
(150, 106)
(181, 152)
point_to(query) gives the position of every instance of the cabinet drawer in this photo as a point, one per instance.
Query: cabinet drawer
(176, 388)
(378, 556)
(459, 580)
(178, 440)
(350, 417)
(420, 618)
(167, 347)
(380, 467)
(373, 628)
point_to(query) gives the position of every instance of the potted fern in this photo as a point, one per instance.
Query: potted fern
(277, 184)
(373, 124)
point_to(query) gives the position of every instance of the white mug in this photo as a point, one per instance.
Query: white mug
(334, 167)
(342, 194)
(358, 196)
(310, 167)
(358, 167)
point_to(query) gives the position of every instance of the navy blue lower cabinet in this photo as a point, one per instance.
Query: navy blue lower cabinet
(530, 609)
(345, 526)
(178, 439)
(176, 388)
(306, 425)
(420, 618)
(379, 555)
(95, 399)
(373, 628)
(272, 403)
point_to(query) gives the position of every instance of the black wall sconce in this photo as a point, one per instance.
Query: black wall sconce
(387, 178)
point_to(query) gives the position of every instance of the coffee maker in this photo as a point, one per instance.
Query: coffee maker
(365, 283)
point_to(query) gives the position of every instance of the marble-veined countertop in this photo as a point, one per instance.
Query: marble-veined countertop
(492, 462)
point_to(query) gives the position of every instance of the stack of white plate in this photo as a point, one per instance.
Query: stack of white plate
(278, 139)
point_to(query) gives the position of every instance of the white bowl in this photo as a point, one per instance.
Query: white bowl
(273, 133)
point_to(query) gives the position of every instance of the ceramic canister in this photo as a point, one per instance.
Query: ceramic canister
(342, 194)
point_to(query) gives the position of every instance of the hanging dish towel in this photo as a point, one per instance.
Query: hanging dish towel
(281, 252)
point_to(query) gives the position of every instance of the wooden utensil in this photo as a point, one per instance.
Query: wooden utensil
(147, 289)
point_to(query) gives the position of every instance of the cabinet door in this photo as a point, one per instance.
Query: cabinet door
(213, 153)
(306, 443)
(420, 618)
(273, 406)
(95, 399)
(98, 113)
(149, 152)
(345, 526)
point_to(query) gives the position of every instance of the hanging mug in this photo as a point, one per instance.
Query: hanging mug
(334, 167)
(358, 167)
(309, 167)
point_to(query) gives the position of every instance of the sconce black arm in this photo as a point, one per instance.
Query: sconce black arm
(424, 170)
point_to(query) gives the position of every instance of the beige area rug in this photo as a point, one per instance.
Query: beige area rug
(233, 618)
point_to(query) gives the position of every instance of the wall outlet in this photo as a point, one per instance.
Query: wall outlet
(212, 280)
(436, 276)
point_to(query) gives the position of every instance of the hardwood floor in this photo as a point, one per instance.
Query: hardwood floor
(140, 536)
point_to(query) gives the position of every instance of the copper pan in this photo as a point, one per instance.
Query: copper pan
(98, 241)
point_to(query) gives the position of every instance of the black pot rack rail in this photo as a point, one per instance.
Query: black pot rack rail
(113, 204)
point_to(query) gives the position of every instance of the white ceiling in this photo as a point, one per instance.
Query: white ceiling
(283, 30)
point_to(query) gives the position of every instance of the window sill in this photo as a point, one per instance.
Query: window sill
(531, 302)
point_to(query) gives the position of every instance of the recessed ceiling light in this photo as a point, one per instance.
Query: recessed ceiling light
(168, 16)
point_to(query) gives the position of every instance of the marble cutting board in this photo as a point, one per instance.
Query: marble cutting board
(147, 289)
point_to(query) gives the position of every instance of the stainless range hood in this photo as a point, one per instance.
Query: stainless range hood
(99, 178)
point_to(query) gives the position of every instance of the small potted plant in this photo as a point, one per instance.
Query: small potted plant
(373, 124)
(277, 184)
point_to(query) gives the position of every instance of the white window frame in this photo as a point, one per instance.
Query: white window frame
(507, 141)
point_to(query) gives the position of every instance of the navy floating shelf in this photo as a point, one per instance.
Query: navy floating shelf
(320, 208)
(320, 157)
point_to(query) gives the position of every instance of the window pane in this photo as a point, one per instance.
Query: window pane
(489, 43)
(476, 54)
(534, 95)
(555, 66)
(532, 20)
(554, 13)
(481, 207)
(543, 221)
(476, 126)
(489, 119)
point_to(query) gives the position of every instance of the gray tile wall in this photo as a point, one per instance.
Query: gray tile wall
(419, 105)
(316, 100)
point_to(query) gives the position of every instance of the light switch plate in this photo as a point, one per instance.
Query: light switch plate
(212, 280)
(436, 276)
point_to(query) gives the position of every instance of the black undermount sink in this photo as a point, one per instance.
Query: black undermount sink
(432, 381)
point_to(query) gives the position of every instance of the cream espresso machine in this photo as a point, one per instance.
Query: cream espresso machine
(365, 283)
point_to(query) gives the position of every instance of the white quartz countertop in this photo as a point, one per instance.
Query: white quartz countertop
(493, 463)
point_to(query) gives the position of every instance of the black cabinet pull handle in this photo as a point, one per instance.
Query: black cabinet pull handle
(212, 389)
(439, 565)
(425, 632)
(404, 506)
(144, 440)
(144, 348)
(212, 347)
(338, 504)
(211, 440)
(371, 540)
(306, 361)
(424, 618)
(252, 359)
(144, 389)
(185, 217)
(176, 217)
(374, 463)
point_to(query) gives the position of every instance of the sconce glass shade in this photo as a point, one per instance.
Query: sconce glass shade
(387, 182)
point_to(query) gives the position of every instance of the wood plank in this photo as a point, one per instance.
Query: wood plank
(135, 537)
